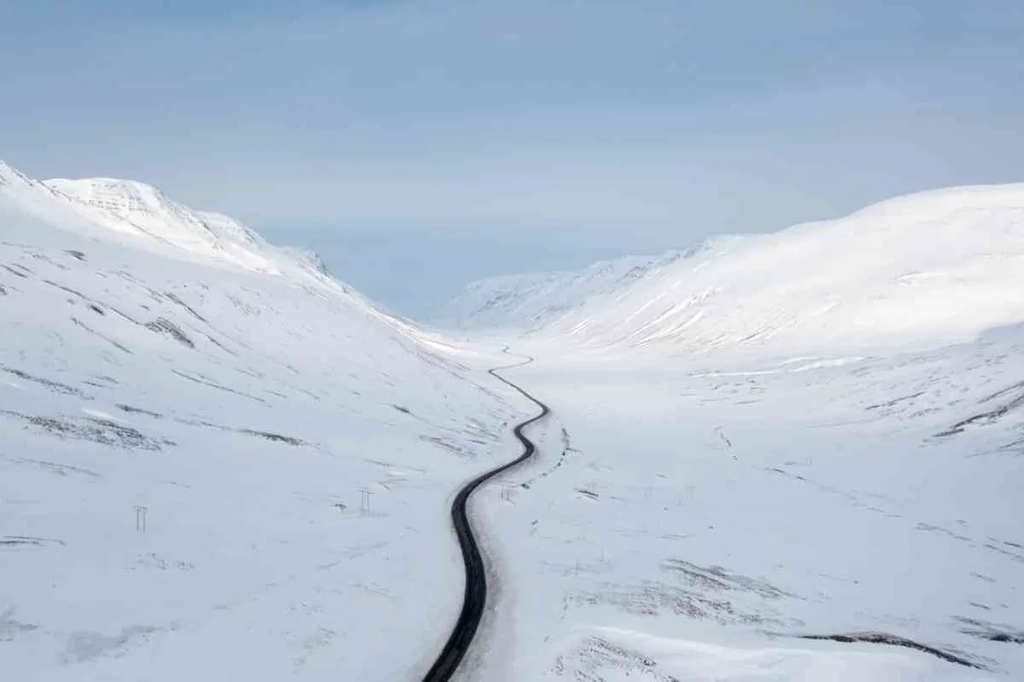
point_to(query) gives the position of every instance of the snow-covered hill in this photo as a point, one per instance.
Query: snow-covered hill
(931, 268)
(529, 300)
(811, 433)
(215, 460)
(136, 207)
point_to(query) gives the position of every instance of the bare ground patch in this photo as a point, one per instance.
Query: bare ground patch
(92, 429)
(50, 385)
(896, 640)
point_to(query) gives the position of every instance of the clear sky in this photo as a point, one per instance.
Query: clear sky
(418, 145)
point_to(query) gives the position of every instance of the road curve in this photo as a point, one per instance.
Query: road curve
(476, 580)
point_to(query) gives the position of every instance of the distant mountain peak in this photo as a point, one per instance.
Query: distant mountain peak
(10, 175)
(149, 211)
(128, 199)
(137, 210)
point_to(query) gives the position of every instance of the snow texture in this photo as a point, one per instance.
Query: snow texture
(815, 433)
(938, 267)
(216, 461)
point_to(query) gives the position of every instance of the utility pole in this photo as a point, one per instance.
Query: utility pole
(140, 518)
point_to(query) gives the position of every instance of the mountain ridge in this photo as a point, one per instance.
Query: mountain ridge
(926, 268)
(113, 208)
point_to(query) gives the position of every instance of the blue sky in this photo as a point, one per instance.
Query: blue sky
(418, 145)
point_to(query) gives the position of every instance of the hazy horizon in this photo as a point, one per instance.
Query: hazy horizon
(418, 146)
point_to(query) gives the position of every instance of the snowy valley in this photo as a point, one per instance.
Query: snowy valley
(216, 461)
(815, 434)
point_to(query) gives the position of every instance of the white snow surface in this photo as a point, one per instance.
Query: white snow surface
(819, 432)
(145, 209)
(292, 448)
(529, 300)
(936, 267)
(691, 519)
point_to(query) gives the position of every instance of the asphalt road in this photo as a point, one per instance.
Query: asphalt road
(476, 579)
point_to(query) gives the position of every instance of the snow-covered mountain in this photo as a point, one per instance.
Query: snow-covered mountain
(139, 207)
(816, 433)
(936, 267)
(215, 460)
(529, 300)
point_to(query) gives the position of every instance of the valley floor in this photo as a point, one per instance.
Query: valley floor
(691, 520)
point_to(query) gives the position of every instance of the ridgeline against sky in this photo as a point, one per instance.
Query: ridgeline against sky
(387, 134)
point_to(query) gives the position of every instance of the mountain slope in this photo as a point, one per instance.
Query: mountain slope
(812, 433)
(148, 211)
(529, 300)
(216, 461)
(936, 267)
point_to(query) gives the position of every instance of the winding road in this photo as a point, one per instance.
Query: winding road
(476, 579)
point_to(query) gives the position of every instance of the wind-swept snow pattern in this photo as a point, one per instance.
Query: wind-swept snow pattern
(215, 460)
